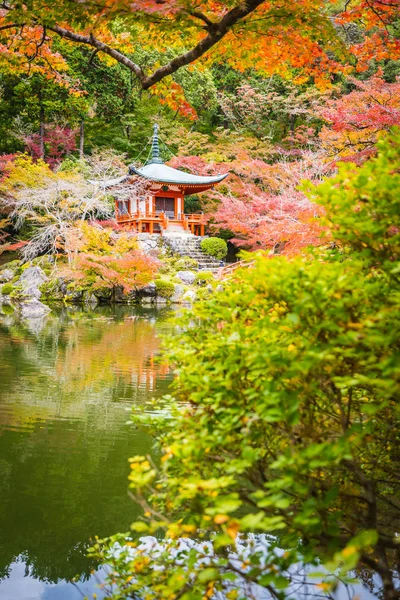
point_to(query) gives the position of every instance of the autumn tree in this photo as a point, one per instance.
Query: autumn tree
(99, 259)
(259, 206)
(356, 119)
(52, 204)
(300, 40)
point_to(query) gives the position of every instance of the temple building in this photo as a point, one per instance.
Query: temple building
(161, 208)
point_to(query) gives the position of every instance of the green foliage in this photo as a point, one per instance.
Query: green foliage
(204, 277)
(165, 288)
(186, 264)
(215, 247)
(286, 420)
(7, 289)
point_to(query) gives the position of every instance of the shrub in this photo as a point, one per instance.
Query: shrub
(7, 289)
(165, 288)
(186, 264)
(286, 417)
(215, 247)
(204, 277)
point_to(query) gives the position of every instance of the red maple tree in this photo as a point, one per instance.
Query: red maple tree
(58, 143)
(356, 119)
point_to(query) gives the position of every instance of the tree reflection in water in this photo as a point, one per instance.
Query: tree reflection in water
(64, 441)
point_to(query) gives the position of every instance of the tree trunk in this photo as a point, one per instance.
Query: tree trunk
(81, 139)
(41, 127)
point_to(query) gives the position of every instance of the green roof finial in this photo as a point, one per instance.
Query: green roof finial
(155, 149)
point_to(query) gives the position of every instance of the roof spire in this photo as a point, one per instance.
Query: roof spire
(155, 149)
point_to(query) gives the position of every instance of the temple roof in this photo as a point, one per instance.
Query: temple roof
(159, 172)
(155, 170)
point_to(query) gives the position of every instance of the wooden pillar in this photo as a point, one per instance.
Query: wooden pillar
(176, 207)
(202, 229)
(151, 227)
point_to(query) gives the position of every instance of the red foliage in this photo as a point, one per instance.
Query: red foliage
(260, 204)
(110, 224)
(356, 119)
(5, 164)
(58, 142)
(12, 247)
(133, 270)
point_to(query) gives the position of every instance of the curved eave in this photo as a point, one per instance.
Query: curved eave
(194, 181)
(108, 182)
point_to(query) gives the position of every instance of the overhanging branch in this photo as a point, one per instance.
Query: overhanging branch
(215, 32)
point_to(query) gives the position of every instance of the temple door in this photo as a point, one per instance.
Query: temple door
(165, 205)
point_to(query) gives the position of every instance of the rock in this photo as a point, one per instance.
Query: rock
(32, 277)
(147, 300)
(89, 298)
(178, 293)
(161, 300)
(189, 296)
(6, 275)
(31, 291)
(34, 309)
(103, 294)
(119, 294)
(148, 245)
(149, 290)
(75, 297)
(187, 277)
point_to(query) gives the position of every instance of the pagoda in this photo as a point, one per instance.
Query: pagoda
(161, 209)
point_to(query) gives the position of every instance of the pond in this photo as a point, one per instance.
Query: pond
(66, 387)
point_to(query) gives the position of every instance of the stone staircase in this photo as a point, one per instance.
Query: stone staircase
(189, 245)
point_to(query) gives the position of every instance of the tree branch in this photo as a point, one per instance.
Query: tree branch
(216, 31)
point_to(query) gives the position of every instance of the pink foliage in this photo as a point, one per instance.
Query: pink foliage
(58, 142)
(5, 163)
(260, 203)
(356, 119)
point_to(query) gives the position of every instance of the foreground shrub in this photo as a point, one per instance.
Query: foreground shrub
(215, 247)
(286, 422)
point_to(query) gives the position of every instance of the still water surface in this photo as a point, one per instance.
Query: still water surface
(66, 386)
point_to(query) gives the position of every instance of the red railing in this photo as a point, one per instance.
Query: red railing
(226, 271)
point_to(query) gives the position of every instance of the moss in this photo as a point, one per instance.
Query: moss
(204, 277)
(186, 264)
(7, 309)
(7, 289)
(17, 294)
(165, 288)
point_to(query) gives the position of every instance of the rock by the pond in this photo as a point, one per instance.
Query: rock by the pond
(73, 296)
(187, 277)
(90, 298)
(34, 309)
(149, 290)
(178, 293)
(6, 275)
(32, 277)
(189, 296)
(30, 291)
(103, 294)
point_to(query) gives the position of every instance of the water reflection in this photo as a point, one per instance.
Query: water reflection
(64, 441)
